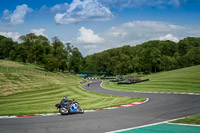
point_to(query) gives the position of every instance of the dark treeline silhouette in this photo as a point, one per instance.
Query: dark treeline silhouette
(151, 56)
(39, 51)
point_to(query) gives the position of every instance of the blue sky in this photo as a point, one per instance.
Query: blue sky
(97, 25)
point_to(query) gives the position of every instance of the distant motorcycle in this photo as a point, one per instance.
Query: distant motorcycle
(69, 107)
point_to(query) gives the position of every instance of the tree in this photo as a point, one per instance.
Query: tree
(51, 63)
(168, 48)
(38, 53)
(61, 52)
(193, 56)
(75, 60)
(168, 62)
(57, 45)
(28, 41)
(18, 53)
(155, 58)
(6, 45)
(2, 37)
(184, 46)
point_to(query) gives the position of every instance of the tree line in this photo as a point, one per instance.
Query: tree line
(151, 56)
(148, 57)
(39, 50)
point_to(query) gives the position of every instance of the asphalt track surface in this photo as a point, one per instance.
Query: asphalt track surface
(159, 108)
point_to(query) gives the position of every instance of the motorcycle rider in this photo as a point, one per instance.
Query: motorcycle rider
(69, 106)
(65, 100)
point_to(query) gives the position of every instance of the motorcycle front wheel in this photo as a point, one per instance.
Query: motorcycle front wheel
(81, 110)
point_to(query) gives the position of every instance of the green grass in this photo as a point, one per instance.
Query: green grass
(13, 66)
(195, 119)
(35, 92)
(186, 80)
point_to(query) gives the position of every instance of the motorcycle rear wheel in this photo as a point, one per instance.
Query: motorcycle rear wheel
(63, 111)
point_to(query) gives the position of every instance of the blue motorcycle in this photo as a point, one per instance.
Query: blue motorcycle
(69, 107)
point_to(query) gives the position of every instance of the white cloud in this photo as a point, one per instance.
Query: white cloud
(90, 46)
(136, 32)
(88, 36)
(39, 32)
(18, 15)
(133, 33)
(60, 7)
(169, 37)
(6, 14)
(90, 49)
(86, 10)
(13, 35)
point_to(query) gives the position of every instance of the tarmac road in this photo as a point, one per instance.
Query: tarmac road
(160, 107)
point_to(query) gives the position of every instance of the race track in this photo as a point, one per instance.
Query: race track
(160, 107)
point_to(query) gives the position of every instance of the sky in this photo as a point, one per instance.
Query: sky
(97, 25)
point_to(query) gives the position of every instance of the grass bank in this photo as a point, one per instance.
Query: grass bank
(37, 92)
(195, 119)
(186, 80)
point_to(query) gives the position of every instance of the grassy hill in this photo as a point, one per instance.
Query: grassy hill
(26, 89)
(186, 80)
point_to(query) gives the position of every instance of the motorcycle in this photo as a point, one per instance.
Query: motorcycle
(69, 107)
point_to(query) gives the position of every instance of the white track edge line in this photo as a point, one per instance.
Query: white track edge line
(181, 124)
(121, 130)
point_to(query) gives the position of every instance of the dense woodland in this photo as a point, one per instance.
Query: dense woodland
(152, 56)
(38, 50)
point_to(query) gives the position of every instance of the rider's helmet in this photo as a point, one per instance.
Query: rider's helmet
(65, 98)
